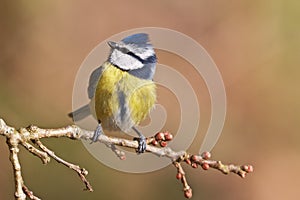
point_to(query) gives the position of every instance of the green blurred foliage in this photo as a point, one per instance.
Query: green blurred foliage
(255, 44)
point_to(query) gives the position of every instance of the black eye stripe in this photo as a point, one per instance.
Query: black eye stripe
(126, 51)
(135, 56)
(150, 59)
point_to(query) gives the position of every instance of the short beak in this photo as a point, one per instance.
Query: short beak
(113, 45)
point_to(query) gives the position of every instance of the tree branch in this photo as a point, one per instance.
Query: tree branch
(30, 136)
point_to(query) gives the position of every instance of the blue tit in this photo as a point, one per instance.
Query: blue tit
(122, 88)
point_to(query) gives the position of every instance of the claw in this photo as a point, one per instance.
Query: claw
(142, 144)
(141, 140)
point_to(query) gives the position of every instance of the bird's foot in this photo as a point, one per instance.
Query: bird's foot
(142, 144)
(97, 133)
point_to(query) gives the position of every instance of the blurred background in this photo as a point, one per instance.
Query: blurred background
(255, 44)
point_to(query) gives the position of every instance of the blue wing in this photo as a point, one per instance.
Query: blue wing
(85, 111)
(94, 78)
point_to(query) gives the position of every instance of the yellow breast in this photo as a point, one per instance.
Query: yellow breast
(122, 100)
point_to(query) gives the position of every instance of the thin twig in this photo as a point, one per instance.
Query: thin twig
(29, 193)
(42, 155)
(181, 176)
(19, 194)
(119, 153)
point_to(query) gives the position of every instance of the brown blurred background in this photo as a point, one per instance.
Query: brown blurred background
(254, 43)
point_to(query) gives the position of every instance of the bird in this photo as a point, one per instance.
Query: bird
(122, 90)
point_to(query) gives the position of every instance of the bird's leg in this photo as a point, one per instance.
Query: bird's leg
(97, 133)
(141, 140)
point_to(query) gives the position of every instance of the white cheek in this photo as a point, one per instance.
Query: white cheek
(125, 61)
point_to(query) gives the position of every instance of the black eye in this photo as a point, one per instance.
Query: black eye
(124, 50)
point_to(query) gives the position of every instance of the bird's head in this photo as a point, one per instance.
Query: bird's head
(132, 53)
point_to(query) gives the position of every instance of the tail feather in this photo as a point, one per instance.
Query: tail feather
(80, 113)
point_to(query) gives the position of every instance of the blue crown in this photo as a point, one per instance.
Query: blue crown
(139, 38)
